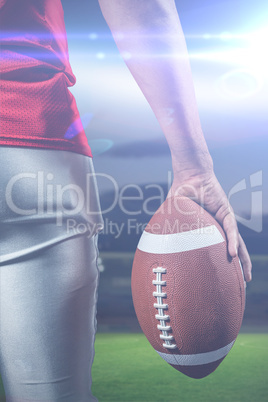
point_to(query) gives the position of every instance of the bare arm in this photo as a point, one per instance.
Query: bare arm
(151, 32)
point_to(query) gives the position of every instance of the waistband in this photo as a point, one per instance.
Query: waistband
(46, 197)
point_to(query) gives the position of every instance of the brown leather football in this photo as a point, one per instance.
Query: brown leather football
(188, 293)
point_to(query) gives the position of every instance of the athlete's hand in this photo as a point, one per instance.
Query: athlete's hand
(205, 189)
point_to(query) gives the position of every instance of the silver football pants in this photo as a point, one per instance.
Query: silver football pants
(49, 223)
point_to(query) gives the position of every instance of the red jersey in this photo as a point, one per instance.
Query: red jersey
(36, 107)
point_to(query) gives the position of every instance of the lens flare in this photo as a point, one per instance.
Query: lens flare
(239, 84)
(99, 146)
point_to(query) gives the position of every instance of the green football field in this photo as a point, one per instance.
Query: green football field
(126, 368)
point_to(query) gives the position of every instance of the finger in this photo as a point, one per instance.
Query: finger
(231, 230)
(225, 216)
(245, 259)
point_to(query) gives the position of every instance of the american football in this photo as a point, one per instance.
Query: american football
(188, 293)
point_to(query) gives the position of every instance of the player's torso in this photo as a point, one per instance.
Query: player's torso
(36, 107)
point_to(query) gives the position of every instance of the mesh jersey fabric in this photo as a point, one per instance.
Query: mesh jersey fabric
(36, 107)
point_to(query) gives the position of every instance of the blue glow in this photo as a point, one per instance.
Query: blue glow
(40, 54)
(100, 55)
(77, 126)
(86, 119)
(100, 146)
(22, 36)
(93, 36)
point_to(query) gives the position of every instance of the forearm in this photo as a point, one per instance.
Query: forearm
(151, 32)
